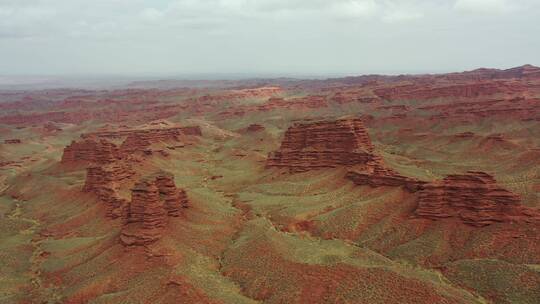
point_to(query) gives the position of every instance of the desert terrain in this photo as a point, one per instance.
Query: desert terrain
(366, 189)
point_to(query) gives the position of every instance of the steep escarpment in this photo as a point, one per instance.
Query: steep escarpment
(95, 148)
(153, 200)
(323, 144)
(468, 90)
(104, 181)
(157, 134)
(255, 128)
(91, 151)
(378, 175)
(174, 199)
(474, 198)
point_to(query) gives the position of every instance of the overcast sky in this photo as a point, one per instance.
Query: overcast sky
(265, 37)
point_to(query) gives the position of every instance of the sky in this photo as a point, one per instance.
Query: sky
(265, 37)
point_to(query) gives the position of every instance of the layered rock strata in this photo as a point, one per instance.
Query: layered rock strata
(377, 175)
(157, 134)
(474, 198)
(153, 200)
(91, 151)
(104, 181)
(323, 144)
(255, 128)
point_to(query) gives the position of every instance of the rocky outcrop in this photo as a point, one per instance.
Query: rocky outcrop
(91, 151)
(104, 181)
(146, 215)
(465, 135)
(174, 199)
(12, 141)
(156, 134)
(469, 90)
(473, 197)
(136, 143)
(153, 200)
(376, 174)
(255, 128)
(279, 103)
(323, 144)
(344, 97)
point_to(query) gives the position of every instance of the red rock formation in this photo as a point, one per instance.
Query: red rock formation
(157, 134)
(474, 198)
(377, 175)
(174, 199)
(51, 127)
(104, 181)
(136, 143)
(323, 144)
(279, 103)
(308, 102)
(469, 90)
(153, 199)
(465, 135)
(139, 140)
(12, 141)
(255, 128)
(146, 215)
(91, 151)
(343, 97)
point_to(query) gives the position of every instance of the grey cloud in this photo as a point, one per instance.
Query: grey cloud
(265, 36)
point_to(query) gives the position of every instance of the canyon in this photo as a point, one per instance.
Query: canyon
(375, 189)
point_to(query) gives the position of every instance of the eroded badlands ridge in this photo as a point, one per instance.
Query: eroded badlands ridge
(473, 197)
(405, 234)
(105, 182)
(323, 144)
(91, 151)
(153, 199)
(96, 147)
(109, 173)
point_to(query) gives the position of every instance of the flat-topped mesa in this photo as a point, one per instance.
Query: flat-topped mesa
(153, 200)
(323, 144)
(103, 181)
(473, 197)
(91, 151)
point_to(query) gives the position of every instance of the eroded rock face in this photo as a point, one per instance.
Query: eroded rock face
(104, 182)
(324, 144)
(469, 90)
(153, 200)
(376, 174)
(12, 141)
(174, 199)
(255, 128)
(91, 151)
(474, 198)
(157, 134)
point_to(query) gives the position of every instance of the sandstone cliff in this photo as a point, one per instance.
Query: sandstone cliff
(323, 144)
(474, 198)
(104, 181)
(91, 151)
(153, 200)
